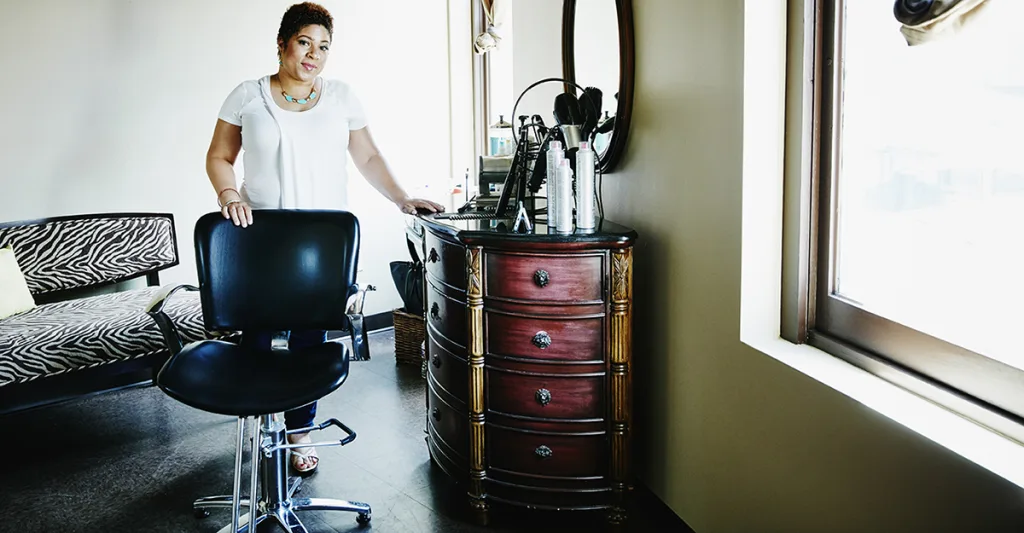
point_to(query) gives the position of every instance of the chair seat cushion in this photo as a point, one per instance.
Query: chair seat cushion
(225, 378)
(87, 332)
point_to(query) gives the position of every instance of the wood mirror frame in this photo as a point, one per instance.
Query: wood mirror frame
(624, 9)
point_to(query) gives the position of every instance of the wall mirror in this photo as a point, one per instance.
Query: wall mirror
(597, 51)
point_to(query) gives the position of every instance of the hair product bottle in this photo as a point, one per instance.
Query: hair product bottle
(555, 155)
(500, 136)
(586, 185)
(564, 195)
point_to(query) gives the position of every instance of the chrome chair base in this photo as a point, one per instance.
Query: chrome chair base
(285, 516)
(277, 490)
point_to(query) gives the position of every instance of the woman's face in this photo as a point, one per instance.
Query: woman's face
(305, 54)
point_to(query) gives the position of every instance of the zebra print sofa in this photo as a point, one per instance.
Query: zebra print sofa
(72, 344)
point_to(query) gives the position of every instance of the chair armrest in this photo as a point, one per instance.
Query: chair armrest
(358, 298)
(155, 309)
(156, 305)
(357, 330)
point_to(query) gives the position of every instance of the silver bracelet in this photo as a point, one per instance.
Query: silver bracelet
(222, 206)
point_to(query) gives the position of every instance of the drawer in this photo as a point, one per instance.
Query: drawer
(546, 395)
(545, 277)
(447, 316)
(449, 371)
(450, 424)
(563, 338)
(556, 494)
(453, 464)
(552, 454)
(445, 261)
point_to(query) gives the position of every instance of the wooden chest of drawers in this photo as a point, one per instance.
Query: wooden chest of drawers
(529, 348)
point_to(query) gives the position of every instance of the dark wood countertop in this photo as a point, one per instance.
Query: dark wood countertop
(477, 232)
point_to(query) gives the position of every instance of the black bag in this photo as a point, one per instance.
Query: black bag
(408, 278)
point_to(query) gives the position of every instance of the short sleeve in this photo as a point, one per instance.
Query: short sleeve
(356, 114)
(231, 110)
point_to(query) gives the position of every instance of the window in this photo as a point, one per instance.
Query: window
(916, 228)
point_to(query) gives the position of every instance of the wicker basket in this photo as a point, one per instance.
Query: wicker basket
(410, 332)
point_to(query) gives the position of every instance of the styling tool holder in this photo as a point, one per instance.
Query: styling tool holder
(529, 167)
(577, 120)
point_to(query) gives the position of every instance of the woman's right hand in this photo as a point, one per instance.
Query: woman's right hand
(236, 209)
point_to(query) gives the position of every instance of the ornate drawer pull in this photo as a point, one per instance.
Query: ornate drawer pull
(437, 361)
(542, 340)
(543, 396)
(436, 413)
(432, 257)
(543, 452)
(435, 311)
(541, 278)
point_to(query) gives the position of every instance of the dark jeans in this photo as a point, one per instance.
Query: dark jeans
(260, 340)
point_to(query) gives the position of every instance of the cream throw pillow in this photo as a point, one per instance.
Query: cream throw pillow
(14, 294)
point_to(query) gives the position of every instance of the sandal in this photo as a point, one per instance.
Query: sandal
(304, 456)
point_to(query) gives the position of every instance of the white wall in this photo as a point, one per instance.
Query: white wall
(110, 105)
(500, 85)
(596, 47)
(460, 72)
(537, 54)
(731, 439)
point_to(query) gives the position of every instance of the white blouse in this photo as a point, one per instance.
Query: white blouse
(294, 159)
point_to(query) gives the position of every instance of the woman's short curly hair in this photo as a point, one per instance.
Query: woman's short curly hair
(301, 15)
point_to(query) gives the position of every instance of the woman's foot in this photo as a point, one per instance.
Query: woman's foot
(304, 460)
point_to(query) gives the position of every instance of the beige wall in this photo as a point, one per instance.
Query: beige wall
(731, 439)
(110, 105)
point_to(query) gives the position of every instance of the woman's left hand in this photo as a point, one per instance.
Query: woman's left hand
(409, 206)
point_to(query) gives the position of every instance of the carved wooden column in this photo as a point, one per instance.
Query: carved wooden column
(621, 380)
(475, 305)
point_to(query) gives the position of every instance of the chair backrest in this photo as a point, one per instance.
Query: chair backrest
(74, 252)
(289, 270)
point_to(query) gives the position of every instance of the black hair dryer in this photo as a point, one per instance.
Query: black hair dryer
(914, 12)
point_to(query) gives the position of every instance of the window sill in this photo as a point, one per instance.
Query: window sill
(768, 26)
(991, 450)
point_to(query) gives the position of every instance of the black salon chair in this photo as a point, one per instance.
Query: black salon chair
(290, 270)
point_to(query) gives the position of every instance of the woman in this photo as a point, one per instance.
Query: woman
(294, 126)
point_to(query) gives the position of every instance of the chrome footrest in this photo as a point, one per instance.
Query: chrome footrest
(274, 496)
(350, 436)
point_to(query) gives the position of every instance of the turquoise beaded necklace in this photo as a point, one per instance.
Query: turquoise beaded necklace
(300, 101)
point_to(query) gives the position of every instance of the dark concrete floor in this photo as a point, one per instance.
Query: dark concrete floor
(133, 460)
